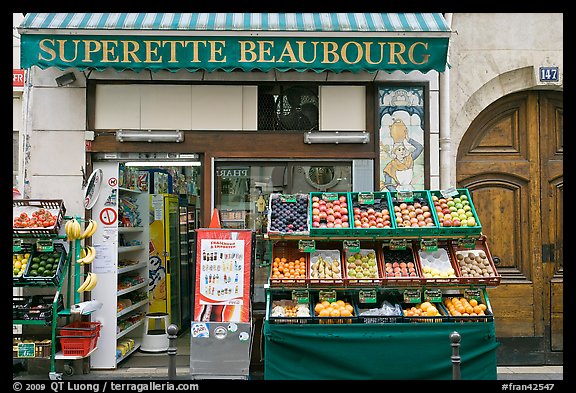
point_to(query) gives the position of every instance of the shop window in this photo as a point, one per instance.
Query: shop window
(288, 107)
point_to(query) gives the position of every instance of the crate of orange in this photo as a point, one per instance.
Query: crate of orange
(289, 265)
(466, 309)
(425, 312)
(343, 310)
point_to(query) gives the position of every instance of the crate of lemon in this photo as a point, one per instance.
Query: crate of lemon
(20, 261)
(341, 311)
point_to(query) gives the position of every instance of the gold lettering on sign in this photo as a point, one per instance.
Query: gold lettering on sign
(216, 49)
(330, 51)
(61, 44)
(265, 47)
(195, 44)
(411, 53)
(368, 51)
(247, 48)
(152, 49)
(289, 52)
(394, 54)
(345, 56)
(90, 47)
(301, 51)
(130, 54)
(108, 49)
(47, 49)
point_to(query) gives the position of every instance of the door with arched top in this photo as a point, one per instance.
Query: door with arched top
(511, 160)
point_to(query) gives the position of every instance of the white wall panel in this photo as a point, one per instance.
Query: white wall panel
(166, 107)
(59, 108)
(67, 188)
(56, 153)
(216, 107)
(249, 108)
(343, 108)
(117, 106)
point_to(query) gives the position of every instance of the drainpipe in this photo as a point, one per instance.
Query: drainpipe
(27, 131)
(446, 176)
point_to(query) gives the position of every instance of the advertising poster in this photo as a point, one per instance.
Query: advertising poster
(222, 287)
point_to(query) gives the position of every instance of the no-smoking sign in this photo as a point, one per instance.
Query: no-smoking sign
(108, 216)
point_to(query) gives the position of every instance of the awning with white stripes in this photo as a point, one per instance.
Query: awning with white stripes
(227, 41)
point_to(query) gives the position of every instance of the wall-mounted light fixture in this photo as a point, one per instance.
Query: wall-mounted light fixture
(163, 163)
(150, 136)
(336, 137)
(66, 79)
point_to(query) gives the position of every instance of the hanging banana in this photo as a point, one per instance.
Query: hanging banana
(90, 229)
(89, 255)
(85, 284)
(93, 281)
(73, 229)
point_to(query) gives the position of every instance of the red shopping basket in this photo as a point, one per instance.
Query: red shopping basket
(79, 338)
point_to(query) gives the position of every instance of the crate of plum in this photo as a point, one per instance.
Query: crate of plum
(289, 265)
(475, 264)
(326, 268)
(362, 267)
(285, 310)
(399, 265)
(386, 309)
(330, 214)
(438, 266)
(371, 214)
(288, 214)
(462, 308)
(414, 213)
(456, 213)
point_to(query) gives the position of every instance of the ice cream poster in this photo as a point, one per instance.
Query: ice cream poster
(222, 287)
(402, 138)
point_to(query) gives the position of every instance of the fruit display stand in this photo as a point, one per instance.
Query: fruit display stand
(43, 259)
(424, 303)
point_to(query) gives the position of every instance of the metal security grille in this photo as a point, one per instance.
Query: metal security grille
(288, 107)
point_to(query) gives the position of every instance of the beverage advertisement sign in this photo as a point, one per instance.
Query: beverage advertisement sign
(222, 287)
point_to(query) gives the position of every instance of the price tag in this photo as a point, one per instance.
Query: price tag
(433, 295)
(26, 350)
(307, 245)
(473, 293)
(45, 245)
(450, 191)
(329, 196)
(367, 295)
(412, 296)
(329, 296)
(351, 245)
(405, 196)
(16, 245)
(366, 198)
(467, 242)
(398, 244)
(288, 198)
(300, 297)
(429, 244)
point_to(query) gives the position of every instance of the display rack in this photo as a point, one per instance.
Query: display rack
(122, 240)
(376, 347)
(36, 241)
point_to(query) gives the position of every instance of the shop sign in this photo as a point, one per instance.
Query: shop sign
(18, 78)
(319, 54)
(232, 172)
(548, 74)
(367, 296)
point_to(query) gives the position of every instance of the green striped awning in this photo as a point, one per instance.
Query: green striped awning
(227, 41)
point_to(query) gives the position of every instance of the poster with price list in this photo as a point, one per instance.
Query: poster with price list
(223, 275)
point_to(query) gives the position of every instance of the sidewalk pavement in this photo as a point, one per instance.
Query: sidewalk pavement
(525, 373)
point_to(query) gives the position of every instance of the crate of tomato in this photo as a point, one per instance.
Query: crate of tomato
(37, 216)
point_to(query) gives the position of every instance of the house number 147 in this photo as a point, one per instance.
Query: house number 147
(548, 74)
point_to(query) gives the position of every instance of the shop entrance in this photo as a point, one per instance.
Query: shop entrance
(511, 160)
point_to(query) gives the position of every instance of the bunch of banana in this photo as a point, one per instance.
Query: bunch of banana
(73, 229)
(89, 283)
(90, 229)
(87, 255)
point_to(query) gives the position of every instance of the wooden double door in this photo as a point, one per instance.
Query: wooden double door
(511, 160)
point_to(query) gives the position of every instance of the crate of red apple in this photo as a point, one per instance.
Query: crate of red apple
(371, 214)
(330, 214)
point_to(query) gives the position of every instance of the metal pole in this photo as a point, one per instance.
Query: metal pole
(172, 335)
(455, 342)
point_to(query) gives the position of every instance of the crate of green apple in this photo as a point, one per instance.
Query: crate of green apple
(329, 214)
(414, 214)
(288, 214)
(372, 214)
(362, 267)
(456, 213)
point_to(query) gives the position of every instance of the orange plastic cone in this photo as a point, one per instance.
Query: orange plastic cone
(215, 221)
